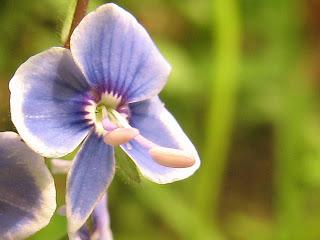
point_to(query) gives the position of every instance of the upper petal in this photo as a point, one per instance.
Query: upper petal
(115, 52)
(88, 179)
(47, 94)
(27, 192)
(157, 125)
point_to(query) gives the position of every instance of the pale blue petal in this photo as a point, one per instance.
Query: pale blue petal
(115, 52)
(47, 94)
(88, 179)
(27, 192)
(101, 220)
(156, 124)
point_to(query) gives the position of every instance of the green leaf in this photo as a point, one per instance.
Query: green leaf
(55, 230)
(126, 169)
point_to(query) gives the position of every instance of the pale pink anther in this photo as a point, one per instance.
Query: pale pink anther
(170, 157)
(120, 136)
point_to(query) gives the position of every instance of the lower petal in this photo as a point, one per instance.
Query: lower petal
(157, 125)
(27, 192)
(88, 180)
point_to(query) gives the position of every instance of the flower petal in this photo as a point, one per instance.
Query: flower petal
(157, 125)
(101, 220)
(88, 179)
(46, 103)
(27, 192)
(114, 51)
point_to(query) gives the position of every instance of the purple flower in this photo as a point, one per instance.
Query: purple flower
(27, 193)
(103, 91)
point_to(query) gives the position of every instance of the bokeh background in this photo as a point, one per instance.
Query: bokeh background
(245, 86)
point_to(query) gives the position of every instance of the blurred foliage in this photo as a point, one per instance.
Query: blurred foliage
(244, 86)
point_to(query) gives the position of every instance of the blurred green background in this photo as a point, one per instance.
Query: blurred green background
(245, 86)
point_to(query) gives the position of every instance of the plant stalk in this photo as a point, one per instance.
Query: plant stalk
(79, 13)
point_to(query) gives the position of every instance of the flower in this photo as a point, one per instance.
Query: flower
(103, 91)
(27, 192)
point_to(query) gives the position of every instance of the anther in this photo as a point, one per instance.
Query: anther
(120, 136)
(170, 157)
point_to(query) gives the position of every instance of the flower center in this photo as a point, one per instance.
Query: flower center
(106, 112)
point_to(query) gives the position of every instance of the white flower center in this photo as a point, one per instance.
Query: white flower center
(106, 107)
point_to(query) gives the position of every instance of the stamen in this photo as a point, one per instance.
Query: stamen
(146, 143)
(120, 136)
(120, 118)
(167, 157)
(170, 157)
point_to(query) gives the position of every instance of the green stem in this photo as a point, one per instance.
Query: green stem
(226, 55)
(289, 201)
(79, 13)
(289, 127)
(289, 121)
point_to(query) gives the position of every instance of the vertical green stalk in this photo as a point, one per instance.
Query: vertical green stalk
(289, 123)
(223, 86)
(289, 201)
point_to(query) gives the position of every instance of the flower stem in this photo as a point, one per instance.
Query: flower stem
(79, 13)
